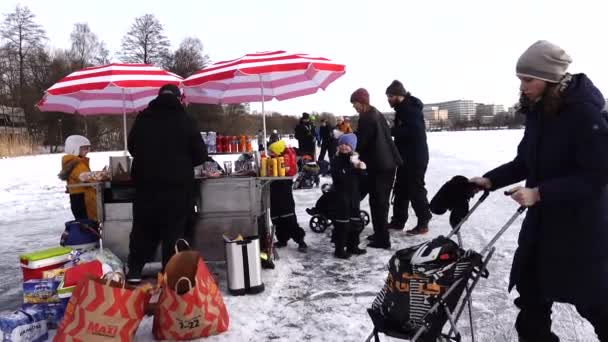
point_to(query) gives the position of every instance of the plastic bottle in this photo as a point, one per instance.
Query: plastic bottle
(291, 166)
(249, 146)
(235, 144)
(219, 146)
(263, 165)
(281, 161)
(211, 136)
(242, 144)
(273, 169)
(204, 139)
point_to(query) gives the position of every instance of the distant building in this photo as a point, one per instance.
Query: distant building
(457, 109)
(12, 120)
(482, 109)
(434, 114)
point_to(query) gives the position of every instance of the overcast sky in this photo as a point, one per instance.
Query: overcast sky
(440, 50)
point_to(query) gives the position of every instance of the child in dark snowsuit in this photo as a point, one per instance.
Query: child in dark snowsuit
(346, 170)
(283, 207)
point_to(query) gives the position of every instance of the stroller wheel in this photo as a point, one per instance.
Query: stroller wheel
(318, 223)
(364, 217)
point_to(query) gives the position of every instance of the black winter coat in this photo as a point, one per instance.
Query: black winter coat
(564, 237)
(325, 134)
(346, 179)
(281, 198)
(165, 144)
(374, 142)
(306, 139)
(409, 131)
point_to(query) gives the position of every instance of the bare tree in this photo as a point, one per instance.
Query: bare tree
(23, 37)
(87, 49)
(188, 58)
(145, 42)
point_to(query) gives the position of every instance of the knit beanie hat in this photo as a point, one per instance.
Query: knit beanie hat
(361, 96)
(169, 89)
(396, 89)
(544, 61)
(349, 139)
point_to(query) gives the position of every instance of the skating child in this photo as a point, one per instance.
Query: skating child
(346, 170)
(283, 207)
(75, 169)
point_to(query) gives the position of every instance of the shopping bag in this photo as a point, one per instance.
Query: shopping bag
(190, 305)
(103, 310)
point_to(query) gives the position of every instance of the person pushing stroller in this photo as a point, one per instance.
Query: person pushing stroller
(346, 170)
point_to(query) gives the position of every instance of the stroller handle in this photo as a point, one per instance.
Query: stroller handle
(456, 229)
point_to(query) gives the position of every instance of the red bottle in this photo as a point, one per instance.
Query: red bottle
(218, 144)
(291, 169)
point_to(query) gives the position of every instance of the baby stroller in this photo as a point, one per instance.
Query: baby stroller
(308, 174)
(322, 214)
(425, 287)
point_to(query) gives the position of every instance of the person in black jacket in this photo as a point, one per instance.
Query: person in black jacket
(377, 149)
(409, 131)
(304, 133)
(346, 170)
(327, 141)
(166, 146)
(563, 158)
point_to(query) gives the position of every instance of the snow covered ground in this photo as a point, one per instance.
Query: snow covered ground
(308, 297)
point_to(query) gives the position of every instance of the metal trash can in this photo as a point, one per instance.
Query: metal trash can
(243, 265)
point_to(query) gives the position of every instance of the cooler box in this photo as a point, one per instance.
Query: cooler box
(244, 265)
(35, 263)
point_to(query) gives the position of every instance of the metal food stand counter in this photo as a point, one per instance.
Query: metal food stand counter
(225, 205)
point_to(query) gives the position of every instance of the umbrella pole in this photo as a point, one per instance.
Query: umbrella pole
(124, 119)
(263, 113)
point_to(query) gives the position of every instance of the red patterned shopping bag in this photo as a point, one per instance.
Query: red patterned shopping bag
(190, 304)
(102, 310)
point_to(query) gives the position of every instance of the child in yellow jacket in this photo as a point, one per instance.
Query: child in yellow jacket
(75, 169)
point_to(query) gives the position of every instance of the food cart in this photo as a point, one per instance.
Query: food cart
(228, 205)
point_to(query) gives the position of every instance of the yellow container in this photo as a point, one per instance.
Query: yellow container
(281, 162)
(273, 168)
(263, 166)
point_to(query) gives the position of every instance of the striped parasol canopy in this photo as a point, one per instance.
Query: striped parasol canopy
(261, 77)
(109, 89)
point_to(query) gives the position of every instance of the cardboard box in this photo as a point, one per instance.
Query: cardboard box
(39, 291)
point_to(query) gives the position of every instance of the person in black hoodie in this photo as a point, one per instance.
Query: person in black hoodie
(409, 131)
(377, 149)
(327, 141)
(305, 135)
(563, 158)
(346, 170)
(166, 146)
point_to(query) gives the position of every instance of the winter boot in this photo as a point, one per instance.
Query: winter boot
(280, 244)
(394, 225)
(418, 230)
(340, 236)
(341, 254)
(312, 211)
(302, 247)
(352, 242)
(371, 237)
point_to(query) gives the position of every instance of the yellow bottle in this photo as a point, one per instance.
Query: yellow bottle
(263, 166)
(281, 162)
(274, 168)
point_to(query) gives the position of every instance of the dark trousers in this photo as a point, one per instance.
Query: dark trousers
(534, 319)
(78, 206)
(287, 227)
(346, 233)
(378, 185)
(160, 215)
(329, 148)
(409, 187)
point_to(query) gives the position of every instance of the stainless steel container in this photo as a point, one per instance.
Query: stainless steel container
(244, 266)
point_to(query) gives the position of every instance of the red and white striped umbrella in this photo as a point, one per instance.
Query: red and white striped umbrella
(261, 77)
(109, 89)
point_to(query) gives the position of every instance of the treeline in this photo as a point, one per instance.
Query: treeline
(30, 64)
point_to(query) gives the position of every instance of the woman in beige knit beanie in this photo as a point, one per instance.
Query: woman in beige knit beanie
(562, 253)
